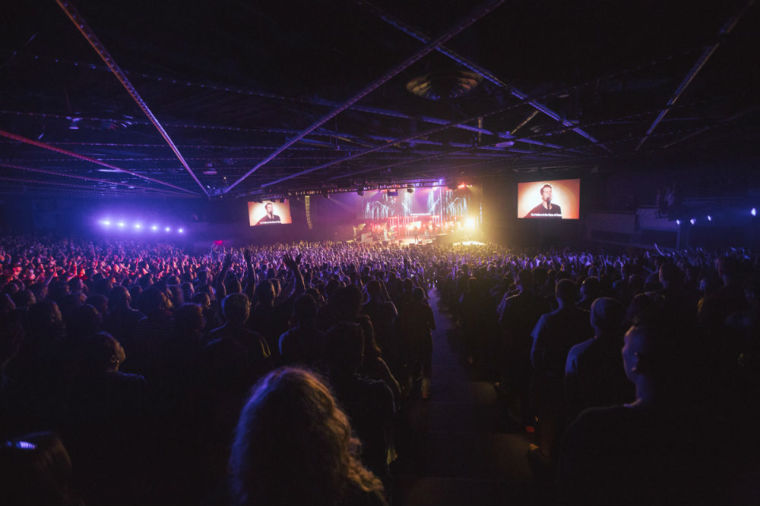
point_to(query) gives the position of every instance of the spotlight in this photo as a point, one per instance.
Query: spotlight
(709, 218)
(470, 224)
(181, 230)
(168, 229)
(693, 221)
(106, 223)
(678, 222)
(122, 224)
(753, 212)
(154, 228)
(138, 226)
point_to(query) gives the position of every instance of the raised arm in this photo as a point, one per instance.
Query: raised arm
(251, 274)
(293, 266)
(221, 290)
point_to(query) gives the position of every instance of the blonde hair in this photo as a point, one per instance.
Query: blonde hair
(293, 445)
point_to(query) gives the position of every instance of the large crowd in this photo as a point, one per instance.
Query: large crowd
(143, 373)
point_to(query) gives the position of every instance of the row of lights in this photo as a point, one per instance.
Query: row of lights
(137, 226)
(693, 221)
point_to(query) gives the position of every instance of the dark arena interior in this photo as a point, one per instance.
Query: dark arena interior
(379, 253)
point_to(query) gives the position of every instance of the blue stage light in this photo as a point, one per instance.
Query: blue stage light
(138, 226)
(709, 218)
(693, 221)
(753, 212)
(122, 224)
(168, 229)
(181, 230)
(154, 228)
(678, 222)
(105, 223)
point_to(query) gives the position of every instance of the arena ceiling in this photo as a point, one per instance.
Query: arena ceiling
(228, 98)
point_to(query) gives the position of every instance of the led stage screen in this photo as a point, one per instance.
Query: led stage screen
(269, 212)
(435, 201)
(549, 199)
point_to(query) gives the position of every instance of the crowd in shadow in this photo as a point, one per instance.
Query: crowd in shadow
(142, 374)
(636, 375)
(128, 372)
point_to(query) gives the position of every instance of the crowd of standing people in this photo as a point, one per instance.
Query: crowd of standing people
(274, 374)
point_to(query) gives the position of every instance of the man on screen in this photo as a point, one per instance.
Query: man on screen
(545, 208)
(270, 217)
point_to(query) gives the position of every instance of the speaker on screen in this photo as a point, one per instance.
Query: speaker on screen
(269, 212)
(557, 199)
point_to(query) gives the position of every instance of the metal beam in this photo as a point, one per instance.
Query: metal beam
(431, 46)
(99, 48)
(704, 129)
(44, 182)
(73, 189)
(693, 71)
(432, 156)
(86, 178)
(322, 133)
(524, 122)
(454, 151)
(32, 142)
(483, 72)
(393, 142)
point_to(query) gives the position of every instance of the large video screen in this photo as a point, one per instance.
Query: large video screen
(269, 212)
(436, 201)
(549, 200)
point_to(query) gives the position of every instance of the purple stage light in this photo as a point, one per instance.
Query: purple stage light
(181, 230)
(154, 228)
(21, 445)
(138, 226)
(678, 222)
(122, 224)
(105, 223)
(753, 212)
(693, 221)
(168, 229)
(709, 218)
